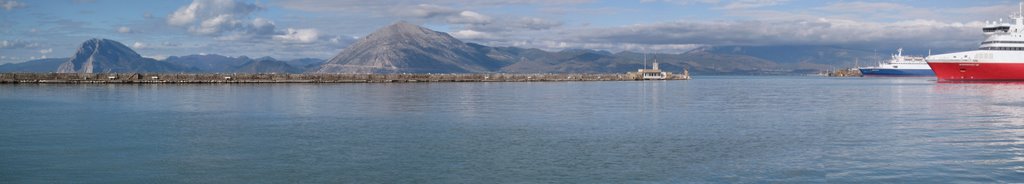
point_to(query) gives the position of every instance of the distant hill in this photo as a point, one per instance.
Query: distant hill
(591, 61)
(408, 48)
(266, 65)
(35, 66)
(209, 63)
(305, 63)
(108, 56)
(800, 57)
(213, 63)
(763, 60)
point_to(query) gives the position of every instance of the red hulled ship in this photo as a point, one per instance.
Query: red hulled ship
(999, 58)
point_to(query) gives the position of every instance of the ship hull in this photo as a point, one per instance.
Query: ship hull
(974, 71)
(888, 72)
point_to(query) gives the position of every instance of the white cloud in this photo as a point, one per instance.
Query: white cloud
(917, 33)
(536, 23)
(343, 40)
(510, 27)
(139, 45)
(170, 44)
(217, 17)
(878, 10)
(892, 11)
(682, 2)
(204, 9)
(474, 25)
(124, 29)
(436, 13)
(426, 11)
(157, 57)
(6, 44)
(228, 24)
(184, 16)
(469, 17)
(15, 44)
(864, 6)
(234, 21)
(385, 6)
(11, 4)
(46, 51)
(471, 34)
(213, 25)
(748, 4)
(298, 36)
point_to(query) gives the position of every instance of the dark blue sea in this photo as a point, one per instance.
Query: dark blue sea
(707, 130)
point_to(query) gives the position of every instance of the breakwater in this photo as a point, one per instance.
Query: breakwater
(298, 78)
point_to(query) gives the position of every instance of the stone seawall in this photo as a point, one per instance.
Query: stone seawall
(296, 78)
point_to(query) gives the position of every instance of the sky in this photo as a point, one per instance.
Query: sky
(290, 29)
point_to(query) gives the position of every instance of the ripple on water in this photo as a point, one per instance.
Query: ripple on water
(713, 129)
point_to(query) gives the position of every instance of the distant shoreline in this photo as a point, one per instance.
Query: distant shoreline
(156, 78)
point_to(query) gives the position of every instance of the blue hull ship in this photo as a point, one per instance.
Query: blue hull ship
(899, 66)
(890, 72)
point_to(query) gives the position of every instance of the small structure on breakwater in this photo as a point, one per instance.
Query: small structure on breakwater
(655, 73)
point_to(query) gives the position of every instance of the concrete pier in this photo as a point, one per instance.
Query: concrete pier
(298, 78)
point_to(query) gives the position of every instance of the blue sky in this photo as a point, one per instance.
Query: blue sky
(288, 29)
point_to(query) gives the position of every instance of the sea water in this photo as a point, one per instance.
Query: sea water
(711, 129)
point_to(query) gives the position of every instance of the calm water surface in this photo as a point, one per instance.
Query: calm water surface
(712, 129)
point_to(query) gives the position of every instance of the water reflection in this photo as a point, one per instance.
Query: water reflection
(996, 108)
(715, 129)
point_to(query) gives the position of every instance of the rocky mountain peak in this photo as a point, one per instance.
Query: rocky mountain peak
(106, 47)
(406, 33)
(99, 55)
(407, 48)
(404, 29)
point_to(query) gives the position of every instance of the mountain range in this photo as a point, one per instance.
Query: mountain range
(408, 48)
(105, 53)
